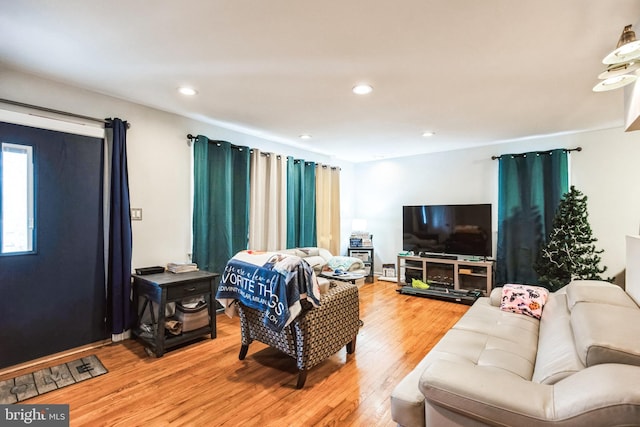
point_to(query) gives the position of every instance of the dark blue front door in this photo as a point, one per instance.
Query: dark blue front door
(53, 299)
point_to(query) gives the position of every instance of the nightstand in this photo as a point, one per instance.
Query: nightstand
(162, 288)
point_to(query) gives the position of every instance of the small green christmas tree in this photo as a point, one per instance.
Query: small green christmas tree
(570, 252)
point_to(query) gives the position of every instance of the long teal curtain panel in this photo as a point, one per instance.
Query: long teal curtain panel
(530, 188)
(220, 202)
(301, 203)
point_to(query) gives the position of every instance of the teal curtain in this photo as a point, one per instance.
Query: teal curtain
(530, 188)
(220, 202)
(301, 203)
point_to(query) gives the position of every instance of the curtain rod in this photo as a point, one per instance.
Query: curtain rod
(63, 113)
(239, 147)
(264, 153)
(568, 150)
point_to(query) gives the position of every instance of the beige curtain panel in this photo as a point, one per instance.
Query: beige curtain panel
(328, 208)
(268, 202)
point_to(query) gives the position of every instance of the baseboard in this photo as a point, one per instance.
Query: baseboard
(388, 279)
(51, 357)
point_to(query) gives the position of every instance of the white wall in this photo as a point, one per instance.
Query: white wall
(160, 175)
(606, 171)
(159, 160)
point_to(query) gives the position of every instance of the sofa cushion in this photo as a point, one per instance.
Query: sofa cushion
(316, 262)
(484, 318)
(488, 337)
(305, 252)
(606, 334)
(597, 291)
(324, 253)
(505, 355)
(556, 357)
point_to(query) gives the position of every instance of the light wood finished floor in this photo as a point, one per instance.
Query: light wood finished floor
(204, 383)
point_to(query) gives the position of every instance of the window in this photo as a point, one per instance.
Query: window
(16, 189)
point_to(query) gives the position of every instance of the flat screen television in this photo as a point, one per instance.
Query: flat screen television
(447, 229)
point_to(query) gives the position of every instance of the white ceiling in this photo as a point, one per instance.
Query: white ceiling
(475, 72)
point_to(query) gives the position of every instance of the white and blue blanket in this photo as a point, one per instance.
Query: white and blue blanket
(273, 283)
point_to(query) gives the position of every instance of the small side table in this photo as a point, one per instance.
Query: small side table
(166, 287)
(364, 253)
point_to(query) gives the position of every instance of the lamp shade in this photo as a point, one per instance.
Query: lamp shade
(622, 62)
(615, 82)
(358, 224)
(619, 69)
(627, 49)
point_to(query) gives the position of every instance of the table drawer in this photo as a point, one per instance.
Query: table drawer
(187, 290)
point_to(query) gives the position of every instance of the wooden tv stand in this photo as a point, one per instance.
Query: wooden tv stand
(453, 274)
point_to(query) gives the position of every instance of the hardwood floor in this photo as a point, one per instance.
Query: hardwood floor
(204, 383)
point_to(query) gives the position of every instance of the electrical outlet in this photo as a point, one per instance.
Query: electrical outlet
(136, 214)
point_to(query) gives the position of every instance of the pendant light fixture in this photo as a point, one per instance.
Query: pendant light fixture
(621, 63)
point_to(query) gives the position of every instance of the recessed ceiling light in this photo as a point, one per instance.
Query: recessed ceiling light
(428, 133)
(305, 136)
(362, 89)
(188, 91)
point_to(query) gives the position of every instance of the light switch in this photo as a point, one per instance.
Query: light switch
(136, 214)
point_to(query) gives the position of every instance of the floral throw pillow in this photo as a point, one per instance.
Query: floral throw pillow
(524, 299)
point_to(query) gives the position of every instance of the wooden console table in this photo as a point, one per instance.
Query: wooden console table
(161, 289)
(455, 274)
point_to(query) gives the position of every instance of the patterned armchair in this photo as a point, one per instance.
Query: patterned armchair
(314, 335)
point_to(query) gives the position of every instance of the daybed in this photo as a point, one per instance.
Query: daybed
(321, 259)
(579, 365)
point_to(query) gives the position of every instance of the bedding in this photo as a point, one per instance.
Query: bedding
(345, 263)
(271, 282)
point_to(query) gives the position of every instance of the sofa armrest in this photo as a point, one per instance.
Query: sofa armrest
(495, 297)
(600, 395)
(324, 330)
(609, 393)
(486, 394)
(324, 253)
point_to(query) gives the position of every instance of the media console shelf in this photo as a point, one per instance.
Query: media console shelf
(448, 274)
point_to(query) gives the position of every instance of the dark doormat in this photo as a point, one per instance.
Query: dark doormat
(45, 380)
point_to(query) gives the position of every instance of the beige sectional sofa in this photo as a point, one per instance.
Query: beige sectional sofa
(579, 365)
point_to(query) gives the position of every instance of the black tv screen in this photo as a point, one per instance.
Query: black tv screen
(447, 229)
